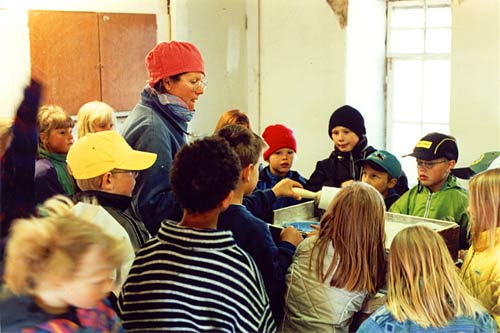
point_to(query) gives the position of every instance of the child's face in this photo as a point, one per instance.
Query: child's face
(345, 140)
(434, 174)
(123, 182)
(91, 283)
(58, 140)
(378, 179)
(280, 162)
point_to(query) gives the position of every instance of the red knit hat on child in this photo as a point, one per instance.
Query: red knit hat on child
(277, 137)
(171, 58)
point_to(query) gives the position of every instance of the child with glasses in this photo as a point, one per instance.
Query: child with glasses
(424, 291)
(105, 168)
(437, 195)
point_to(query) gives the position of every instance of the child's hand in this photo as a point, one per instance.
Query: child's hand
(291, 235)
(284, 188)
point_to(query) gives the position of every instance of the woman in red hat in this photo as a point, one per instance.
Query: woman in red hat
(159, 122)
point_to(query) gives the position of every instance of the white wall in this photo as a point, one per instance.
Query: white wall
(308, 65)
(302, 73)
(365, 65)
(475, 76)
(217, 28)
(14, 36)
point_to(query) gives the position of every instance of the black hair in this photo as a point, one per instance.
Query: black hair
(247, 145)
(203, 174)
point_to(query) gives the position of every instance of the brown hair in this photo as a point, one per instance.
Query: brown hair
(484, 203)
(423, 283)
(247, 145)
(233, 117)
(354, 224)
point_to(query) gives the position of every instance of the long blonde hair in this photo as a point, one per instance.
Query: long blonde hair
(484, 203)
(47, 250)
(93, 114)
(354, 224)
(423, 283)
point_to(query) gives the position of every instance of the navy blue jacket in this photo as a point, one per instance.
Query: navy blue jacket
(253, 235)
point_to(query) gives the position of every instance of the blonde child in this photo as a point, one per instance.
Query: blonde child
(280, 153)
(51, 172)
(233, 117)
(59, 269)
(424, 291)
(94, 117)
(481, 269)
(437, 195)
(333, 272)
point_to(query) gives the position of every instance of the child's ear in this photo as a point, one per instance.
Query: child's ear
(227, 200)
(107, 182)
(392, 183)
(246, 172)
(451, 165)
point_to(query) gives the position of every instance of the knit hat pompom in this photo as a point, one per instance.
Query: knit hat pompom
(277, 137)
(348, 117)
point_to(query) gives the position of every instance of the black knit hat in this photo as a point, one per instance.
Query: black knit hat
(348, 117)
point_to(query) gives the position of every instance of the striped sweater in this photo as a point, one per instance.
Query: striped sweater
(194, 280)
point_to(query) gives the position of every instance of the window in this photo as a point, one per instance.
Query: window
(418, 74)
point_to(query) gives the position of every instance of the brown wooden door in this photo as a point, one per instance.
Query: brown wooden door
(65, 52)
(85, 56)
(125, 39)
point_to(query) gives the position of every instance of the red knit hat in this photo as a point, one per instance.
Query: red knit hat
(277, 137)
(171, 58)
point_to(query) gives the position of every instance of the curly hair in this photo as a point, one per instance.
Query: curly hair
(203, 174)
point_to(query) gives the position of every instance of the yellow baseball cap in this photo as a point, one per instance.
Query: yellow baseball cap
(98, 153)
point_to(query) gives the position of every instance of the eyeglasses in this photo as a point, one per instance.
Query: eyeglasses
(195, 85)
(429, 165)
(132, 173)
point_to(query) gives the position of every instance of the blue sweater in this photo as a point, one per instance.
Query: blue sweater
(253, 235)
(154, 128)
